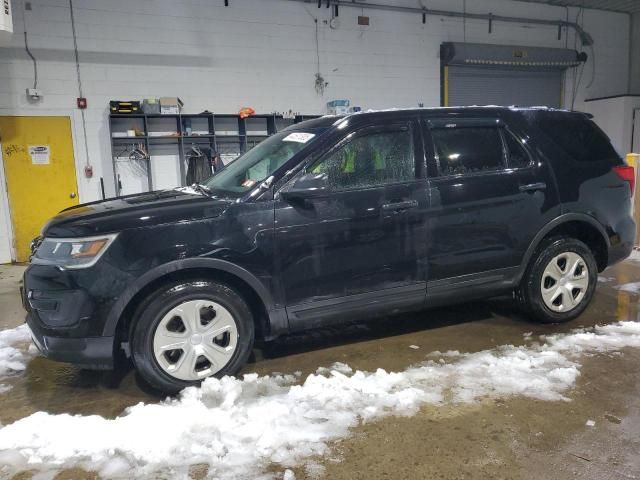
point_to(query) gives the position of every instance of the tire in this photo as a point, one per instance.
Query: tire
(550, 294)
(211, 324)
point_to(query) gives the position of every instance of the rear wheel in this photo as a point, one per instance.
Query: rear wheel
(560, 280)
(189, 331)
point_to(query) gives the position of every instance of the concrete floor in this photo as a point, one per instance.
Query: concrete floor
(513, 438)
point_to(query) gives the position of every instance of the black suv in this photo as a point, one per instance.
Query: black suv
(331, 219)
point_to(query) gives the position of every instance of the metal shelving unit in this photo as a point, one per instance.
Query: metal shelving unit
(225, 134)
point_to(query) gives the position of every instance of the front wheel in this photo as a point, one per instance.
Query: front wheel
(189, 331)
(560, 280)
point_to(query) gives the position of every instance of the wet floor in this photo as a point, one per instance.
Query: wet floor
(511, 439)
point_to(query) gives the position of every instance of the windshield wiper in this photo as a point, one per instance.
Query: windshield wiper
(202, 189)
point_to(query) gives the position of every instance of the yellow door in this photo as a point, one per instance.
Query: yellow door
(37, 153)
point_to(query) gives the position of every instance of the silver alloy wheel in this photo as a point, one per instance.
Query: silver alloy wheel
(195, 340)
(564, 282)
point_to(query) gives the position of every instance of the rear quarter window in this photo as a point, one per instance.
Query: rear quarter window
(578, 136)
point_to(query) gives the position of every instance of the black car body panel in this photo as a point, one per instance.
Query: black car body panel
(431, 240)
(133, 211)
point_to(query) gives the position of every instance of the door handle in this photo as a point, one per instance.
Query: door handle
(533, 186)
(398, 206)
(72, 195)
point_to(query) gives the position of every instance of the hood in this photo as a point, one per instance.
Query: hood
(133, 211)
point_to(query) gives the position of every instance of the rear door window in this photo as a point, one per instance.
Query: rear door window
(468, 150)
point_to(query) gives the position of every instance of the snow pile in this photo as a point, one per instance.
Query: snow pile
(15, 352)
(603, 279)
(633, 287)
(240, 427)
(635, 256)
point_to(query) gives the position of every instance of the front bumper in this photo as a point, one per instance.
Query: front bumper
(65, 324)
(94, 353)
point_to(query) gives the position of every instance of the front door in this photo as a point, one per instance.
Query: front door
(39, 166)
(360, 246)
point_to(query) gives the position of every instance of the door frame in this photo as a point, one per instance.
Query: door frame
(4, 206)
(635, 129)
(4, 193)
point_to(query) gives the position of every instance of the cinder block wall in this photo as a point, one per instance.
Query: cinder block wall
(634, 55)
(262, 53)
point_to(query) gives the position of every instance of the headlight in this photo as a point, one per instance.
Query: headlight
(72, 252)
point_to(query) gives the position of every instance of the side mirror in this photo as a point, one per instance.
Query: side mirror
(309, 185)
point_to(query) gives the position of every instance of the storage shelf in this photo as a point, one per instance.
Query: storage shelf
(238, 141)
(128, 139)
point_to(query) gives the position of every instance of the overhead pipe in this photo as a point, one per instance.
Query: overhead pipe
(585, 38)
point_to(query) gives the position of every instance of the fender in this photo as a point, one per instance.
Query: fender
(564, 218)
(179, 265)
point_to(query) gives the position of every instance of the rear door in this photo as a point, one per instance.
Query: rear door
(488, 199)
(359, 248)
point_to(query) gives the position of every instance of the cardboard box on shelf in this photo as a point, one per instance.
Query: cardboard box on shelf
(151, 105)
(170, 105)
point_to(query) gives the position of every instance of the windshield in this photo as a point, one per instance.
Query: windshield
(259, 163)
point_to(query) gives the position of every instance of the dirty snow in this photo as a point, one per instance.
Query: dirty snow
(15, 352)
(633, 287)
(314, 470)
(242, 426)
(635, 256)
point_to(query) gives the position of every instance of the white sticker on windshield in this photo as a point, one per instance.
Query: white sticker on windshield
(298, 137)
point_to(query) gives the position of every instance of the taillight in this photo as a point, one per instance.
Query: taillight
(626, 173)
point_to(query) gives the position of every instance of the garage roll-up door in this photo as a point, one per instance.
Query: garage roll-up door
(494, 86)
(482, 74)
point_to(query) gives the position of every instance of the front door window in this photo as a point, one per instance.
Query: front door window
(369, 159)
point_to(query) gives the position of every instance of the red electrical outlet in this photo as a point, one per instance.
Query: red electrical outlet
(82, 103)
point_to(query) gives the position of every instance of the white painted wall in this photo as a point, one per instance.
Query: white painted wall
(615, 117)
(261, 53)
(634, 56)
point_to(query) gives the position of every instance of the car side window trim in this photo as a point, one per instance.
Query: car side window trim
(503, 133)
(434, 123)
